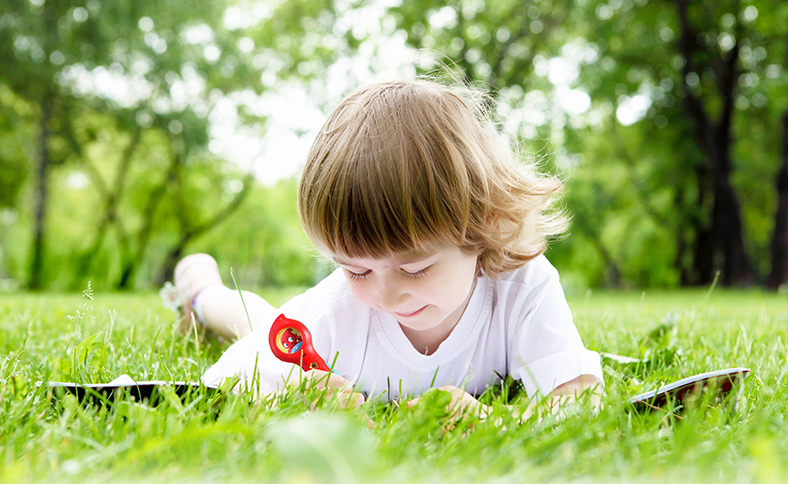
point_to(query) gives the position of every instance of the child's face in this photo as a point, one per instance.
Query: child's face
(425, 291)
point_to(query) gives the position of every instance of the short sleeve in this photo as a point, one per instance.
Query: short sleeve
(251, 359)
(547, 349)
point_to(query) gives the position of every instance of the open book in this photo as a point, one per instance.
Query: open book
(722, 382)
(124, 384)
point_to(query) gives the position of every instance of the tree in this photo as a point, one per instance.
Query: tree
(637, 59)
(65, 57)
(492, 43)
(725, 234)
(13, 163)
(653, 54)
(122, 95)
(779, 245)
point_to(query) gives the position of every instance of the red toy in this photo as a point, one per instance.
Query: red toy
(290, 341)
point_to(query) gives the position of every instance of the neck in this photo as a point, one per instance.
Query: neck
(427, 341)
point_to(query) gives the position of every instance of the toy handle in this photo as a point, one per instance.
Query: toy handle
(291, 342)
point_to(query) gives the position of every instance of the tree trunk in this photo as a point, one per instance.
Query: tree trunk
(190, 233)
(131, 263)
(113, 197)
(779, 246)
(47, 101)
(724, 238)
(35, 279)
(727, 228)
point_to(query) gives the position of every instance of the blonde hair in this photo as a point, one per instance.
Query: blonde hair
(408, 165)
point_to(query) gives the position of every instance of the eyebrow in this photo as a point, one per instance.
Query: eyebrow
(406, 260)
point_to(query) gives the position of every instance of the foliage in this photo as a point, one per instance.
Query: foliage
(663, 194)
(277, 255)
(44, 436)
(595, 87)
(105, 126)
(114, 106)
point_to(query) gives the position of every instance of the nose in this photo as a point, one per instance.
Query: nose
(390, 295)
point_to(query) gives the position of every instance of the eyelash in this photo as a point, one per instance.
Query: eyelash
(417, 274)
(357, 277)
(360, 277)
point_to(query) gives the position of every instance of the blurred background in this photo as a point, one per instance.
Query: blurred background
(135, 132)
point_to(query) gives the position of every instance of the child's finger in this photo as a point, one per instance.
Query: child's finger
(463, 403)
(311, 377)
(350, 400)
(329, 380)
(335, 385)
(460, 400)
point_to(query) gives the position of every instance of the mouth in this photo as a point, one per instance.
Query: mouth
(414, 313)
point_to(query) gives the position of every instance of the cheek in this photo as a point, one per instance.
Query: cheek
(363, 293)
(452, 286)
(456, 290)
(457, 283)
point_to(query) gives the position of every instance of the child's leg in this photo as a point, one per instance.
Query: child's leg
(204, 296)
(222, 311)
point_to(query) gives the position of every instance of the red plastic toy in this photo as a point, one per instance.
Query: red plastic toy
(290, 341)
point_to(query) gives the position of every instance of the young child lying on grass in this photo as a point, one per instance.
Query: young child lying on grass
(438, 231)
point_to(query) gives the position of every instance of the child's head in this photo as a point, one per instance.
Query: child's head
(408, 165)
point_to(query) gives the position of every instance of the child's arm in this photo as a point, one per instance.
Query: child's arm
(583, 387)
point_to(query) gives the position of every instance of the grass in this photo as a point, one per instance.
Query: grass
(204, 439)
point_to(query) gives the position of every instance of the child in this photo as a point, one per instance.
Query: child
(438, 232)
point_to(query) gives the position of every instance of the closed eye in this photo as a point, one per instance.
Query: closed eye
(360, 276)
(355, 276)
(416, 274)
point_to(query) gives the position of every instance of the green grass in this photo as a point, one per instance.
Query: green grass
(66, 337)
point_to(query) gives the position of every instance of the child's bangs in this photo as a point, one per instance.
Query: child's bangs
(381, 213)
(388, 174)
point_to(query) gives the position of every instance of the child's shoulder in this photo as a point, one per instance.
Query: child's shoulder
(533, 274)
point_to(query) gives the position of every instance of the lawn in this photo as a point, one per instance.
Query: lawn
(46, 438)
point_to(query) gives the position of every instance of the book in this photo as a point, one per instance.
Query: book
(722, 382)
(141, 391)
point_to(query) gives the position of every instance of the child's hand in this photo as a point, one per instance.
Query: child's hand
(334, 384)
(462, 403)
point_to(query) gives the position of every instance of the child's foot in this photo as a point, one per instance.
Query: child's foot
(193, 273)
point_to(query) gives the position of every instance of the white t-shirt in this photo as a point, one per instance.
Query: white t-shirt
(518, 324)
